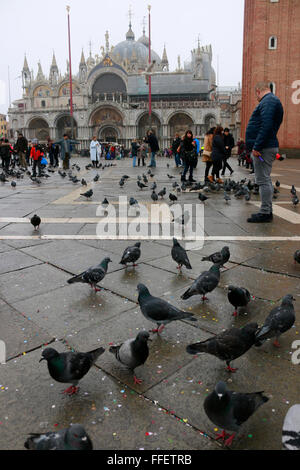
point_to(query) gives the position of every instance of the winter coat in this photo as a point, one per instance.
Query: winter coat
(95, 150)
(218, 149)
(21, 144)
(36, 154)
(134, 148)
(261, 132)
(228, 142)
(206, 156)
(175, 145)
(153, 143)
(62, 146)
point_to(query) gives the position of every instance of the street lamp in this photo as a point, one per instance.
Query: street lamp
(149, 78)
(70, 74)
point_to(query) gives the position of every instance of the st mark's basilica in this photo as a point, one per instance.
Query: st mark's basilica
(110, 96)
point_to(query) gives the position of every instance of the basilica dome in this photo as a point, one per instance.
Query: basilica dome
(134, 51)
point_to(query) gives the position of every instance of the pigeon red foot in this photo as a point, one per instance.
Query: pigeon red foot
(231, 369)
(71, 390)
(137, 381)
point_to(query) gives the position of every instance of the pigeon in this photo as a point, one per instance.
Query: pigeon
(279, 320)
(229, 410)
(141, 185)
(277, 184)
(83, 182)
(131, 254)
(220, 257)
(170, 177)
(63, 174)
(88, 194)
(172, 197)
(293, 191)
(70, 367)
(154, 196)
(202, 197)
(13, 184)
(93, 275)
(125, 177)
(145, 179)
(133, 352)
(73, 438)
(238, 297)
(96, 178)
(291, 429)
(206, 282)
(175, 185)
(297, 256)
(228, 345)
(227, 198)
(121, 182)
(132, 201)
(295, 200)
(179, 255)
(158, 310)
(162, 193)
(153, 186)
(35, 221)
(105, 201)
(3, 178)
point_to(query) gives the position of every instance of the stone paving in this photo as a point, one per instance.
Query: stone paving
(38, 307)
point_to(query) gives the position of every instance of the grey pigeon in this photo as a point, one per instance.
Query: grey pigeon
(293, 191)
(83, 182)
(228, 345)
(96, 178)
(202, 197)
(279, 320)
(92, 275)
(132, 201)
(172, 197)
(73, 438)
(153, 186)
(154, 196)
(88, 194)
(35, 221)
(179, 255)
(297, 257)
(133, 352)
(158, 310)
(229, 410)
(13, 184)
(121, 182)
(105, 201)
(162, 193)
(238, 297)
(206, 282)
(131, 254)
(70, 367)
(141, 185)
(291, 429)
(227, 198)
(295, 201)
(220, 257)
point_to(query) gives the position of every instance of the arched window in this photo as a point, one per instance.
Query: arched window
(43, 103)
(273, 42)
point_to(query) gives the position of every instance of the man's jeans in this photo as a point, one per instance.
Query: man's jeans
(263, 178)
(153, 162)
(177, 159)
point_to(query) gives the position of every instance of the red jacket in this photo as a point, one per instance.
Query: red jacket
(36, 154)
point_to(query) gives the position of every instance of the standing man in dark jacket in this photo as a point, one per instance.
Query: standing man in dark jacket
(261, 139)
(175, 144)
(21, 149)
(229, 144)
(154, 147)
(65, 150)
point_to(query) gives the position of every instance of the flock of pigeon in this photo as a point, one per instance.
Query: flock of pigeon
(225, 408)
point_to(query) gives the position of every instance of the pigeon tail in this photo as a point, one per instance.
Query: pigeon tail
(96, 353)
(196, 348)
(77, 278)
(187, 294)
(264, 333)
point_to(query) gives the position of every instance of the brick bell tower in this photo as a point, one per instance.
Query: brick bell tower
(272, 52)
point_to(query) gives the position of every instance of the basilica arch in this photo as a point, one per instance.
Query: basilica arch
(63, 125)
(107, 85)
(143, 125)
(210, 121)
(179, 123)
(38, 128)
(106, 123)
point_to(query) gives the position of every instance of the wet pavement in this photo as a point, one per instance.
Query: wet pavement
(38, 307)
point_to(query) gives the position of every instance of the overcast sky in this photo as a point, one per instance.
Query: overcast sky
(39, 27)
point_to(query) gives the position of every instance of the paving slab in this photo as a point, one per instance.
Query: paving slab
(72, 308)
(72, 256)
(29, 282)
(167, 350)
(114, 416)
(20, 333)
(16, 260)
(125, 282)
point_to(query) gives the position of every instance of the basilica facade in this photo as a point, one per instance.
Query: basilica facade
(110, 96)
